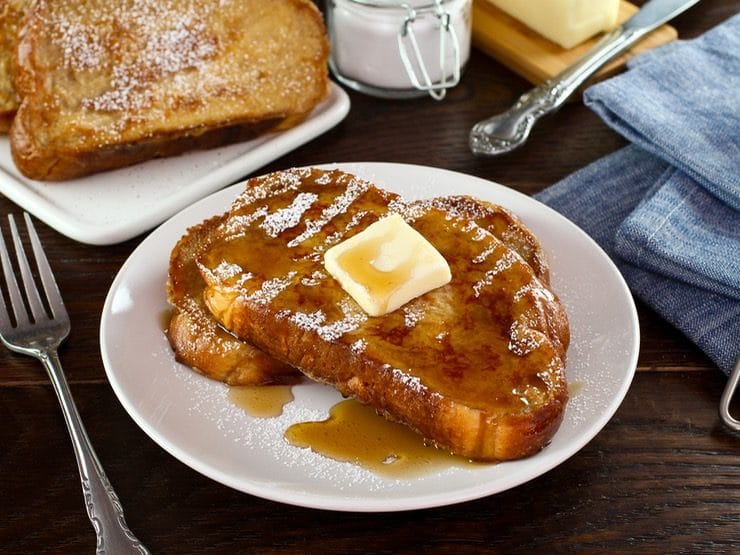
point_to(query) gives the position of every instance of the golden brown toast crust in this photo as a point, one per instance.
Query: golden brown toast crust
(476, 366)
(503, 225)
(12, 13)
(5, 121)
(104, 84)
(196, 337)
(200, 342)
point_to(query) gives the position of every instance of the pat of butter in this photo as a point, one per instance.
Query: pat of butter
(566, 22)
(386, 265)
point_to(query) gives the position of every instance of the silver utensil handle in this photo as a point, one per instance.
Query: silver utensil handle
(724, 403)
(506, 131)
(102, 504)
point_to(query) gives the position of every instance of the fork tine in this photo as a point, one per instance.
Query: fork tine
(5, 323)
(12, 287)
(32, 293)
(53, 295)
(16, 301)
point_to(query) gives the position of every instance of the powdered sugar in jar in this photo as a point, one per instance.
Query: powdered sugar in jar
(395, 49)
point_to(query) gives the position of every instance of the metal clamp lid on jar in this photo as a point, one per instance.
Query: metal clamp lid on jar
(436, 90)
(410, 52)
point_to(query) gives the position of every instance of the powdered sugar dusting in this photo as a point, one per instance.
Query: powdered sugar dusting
(410, 211)
(412, 383)
(271, 288)
(81, 45)
(316, 321)
(503, 263)
(339, 205)
(523, 338)
(308, 320)
(487, 251)
(166, 52)
(285, 218)
(237, 223)
(412, 314)
(478, 233)
(178, 48)
(314, 279)
(134, 43)
(359, 346)
(271, 185)
(535, 289)
(227, 270)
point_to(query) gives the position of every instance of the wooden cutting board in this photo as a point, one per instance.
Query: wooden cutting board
(534, 57)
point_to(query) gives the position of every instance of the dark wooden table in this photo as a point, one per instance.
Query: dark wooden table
(662, 477)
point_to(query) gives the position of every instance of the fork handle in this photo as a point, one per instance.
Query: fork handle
(102, 504)
(506, 131)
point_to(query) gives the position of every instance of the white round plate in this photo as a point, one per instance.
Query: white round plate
(192, 418)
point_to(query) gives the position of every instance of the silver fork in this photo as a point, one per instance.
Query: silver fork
(39, 335)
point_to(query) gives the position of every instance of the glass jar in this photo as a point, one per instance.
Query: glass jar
(393, 49)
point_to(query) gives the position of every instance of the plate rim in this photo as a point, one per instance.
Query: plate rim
(348, 503)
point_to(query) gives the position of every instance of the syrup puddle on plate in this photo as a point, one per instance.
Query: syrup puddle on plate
(356, 433)
(262, 401)
(574, 388)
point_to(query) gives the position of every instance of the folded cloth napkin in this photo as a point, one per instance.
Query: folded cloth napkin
(667, 207)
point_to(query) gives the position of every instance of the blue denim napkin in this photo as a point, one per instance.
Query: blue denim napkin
(667, 208)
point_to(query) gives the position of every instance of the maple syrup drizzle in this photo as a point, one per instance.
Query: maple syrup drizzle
(262, 401)
(574, 388)
(164, 319)
(356, 433)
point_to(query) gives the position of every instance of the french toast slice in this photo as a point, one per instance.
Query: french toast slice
(477, 367)
(12, 13)
(109, 83)
(201, 343)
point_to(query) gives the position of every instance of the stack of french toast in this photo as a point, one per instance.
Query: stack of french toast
(476, 366)
(93, 85)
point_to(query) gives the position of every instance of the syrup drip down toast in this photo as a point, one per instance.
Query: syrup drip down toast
(477, 366)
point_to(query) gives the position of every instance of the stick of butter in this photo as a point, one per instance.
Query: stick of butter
(566, 22)
(386, 265)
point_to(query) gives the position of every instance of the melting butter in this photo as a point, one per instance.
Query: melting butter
(386, 265)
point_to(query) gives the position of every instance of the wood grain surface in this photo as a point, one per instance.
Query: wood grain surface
(662, 477)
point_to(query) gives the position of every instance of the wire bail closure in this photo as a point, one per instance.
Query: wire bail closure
(448, 79)
(724, 404)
